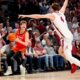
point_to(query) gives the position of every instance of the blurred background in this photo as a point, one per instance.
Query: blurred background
(40, 31)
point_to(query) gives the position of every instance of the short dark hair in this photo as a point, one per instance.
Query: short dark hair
(22, 22)
(55, 6)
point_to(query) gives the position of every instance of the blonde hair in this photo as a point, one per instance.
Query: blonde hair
(23, 22)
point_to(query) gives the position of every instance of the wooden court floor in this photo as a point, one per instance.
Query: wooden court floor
(60, 75)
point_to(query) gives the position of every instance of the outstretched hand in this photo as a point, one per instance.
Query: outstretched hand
(21, 16)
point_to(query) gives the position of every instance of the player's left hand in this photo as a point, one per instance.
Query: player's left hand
(21, 16)
(17, 40)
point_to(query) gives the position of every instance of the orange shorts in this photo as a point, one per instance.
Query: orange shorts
(17, 49)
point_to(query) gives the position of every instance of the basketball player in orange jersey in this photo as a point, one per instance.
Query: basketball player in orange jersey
(18, 51)
(22, 39)
(59, 23)
(21, 43)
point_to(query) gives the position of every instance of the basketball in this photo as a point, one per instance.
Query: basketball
(11, 37)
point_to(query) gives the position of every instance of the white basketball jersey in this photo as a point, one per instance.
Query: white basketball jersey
(60, 25)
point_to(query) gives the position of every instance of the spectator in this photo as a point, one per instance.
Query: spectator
(50, 54)
(75, 51)
(75, 34)
(36, 36)
(16, 27)
(40, 54)
(7, 61)
(41, 27)
(52, 37)
(45, 37)
(2, 42)
(75, 23)
(43, 8)
(69, 22)
(77, 11)
(78, 29)
(1, 27)
(57, 38)
(77, 43)
(30, 54)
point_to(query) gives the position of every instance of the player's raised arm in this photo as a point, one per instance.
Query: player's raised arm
(64, 6)
(38, 16)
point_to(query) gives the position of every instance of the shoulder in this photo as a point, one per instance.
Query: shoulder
(51, 16)
(61, 13)
(26, 32)
(17, 31)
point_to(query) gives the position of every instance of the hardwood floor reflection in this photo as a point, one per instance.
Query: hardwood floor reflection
(60, 75)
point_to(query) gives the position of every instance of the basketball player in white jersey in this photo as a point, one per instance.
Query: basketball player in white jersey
(58, 20)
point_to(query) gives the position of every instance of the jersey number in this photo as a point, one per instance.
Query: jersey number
(62, 19)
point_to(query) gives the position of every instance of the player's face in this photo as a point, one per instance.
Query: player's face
(23, 26)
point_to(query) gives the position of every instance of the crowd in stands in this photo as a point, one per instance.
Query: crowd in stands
(44, 42)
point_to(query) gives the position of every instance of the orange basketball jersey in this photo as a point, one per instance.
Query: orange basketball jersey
(19, 46)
